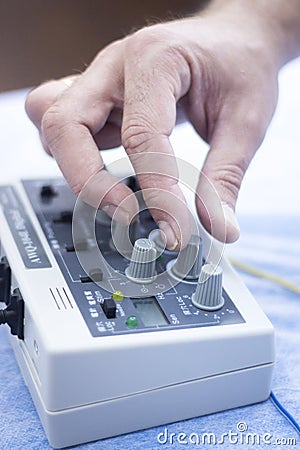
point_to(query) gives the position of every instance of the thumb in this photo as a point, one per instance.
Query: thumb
(232, 147)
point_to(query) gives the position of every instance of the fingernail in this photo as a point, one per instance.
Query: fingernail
(171, 239)
(232, 226)
(117, 213)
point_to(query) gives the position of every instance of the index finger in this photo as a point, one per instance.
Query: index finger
(153, 84)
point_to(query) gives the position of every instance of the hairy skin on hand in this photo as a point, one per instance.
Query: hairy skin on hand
(220, 67)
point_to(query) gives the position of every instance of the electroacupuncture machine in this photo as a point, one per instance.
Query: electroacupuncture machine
(116, 333)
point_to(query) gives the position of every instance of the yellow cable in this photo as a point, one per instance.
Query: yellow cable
(266, 275)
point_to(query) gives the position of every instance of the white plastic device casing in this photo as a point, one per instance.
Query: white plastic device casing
(87, 388)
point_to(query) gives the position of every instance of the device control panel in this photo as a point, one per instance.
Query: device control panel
(123, 279)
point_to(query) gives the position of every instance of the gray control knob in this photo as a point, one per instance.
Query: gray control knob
(189, 261)
(208, 294)
(142, 264)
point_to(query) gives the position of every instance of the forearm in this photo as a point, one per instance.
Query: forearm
(278, 22)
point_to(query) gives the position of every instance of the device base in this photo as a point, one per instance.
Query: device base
(150, 408)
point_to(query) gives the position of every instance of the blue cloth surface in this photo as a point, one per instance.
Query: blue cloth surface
(271, 243)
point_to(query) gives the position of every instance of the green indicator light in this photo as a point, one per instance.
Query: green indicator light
(132, 322)
(159, 258)
(118, 296)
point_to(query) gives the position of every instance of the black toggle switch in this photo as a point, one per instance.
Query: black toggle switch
(79, 246)
(47, 191)
(96, 274)
(93, 276)
(109, 308)
(85, 279)
(64, 217)
(69, 248)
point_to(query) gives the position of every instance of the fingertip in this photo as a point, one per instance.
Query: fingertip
(219, 220)
(172, 215)
(171, 240)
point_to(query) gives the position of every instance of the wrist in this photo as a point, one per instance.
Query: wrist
(276, 24)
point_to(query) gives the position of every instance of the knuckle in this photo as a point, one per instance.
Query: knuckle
(51, 120)
(135, 135)
(143, 38)
(154, 200)
(158, 181)
(230, 177)
(55, 126)
(156, 41)
(109, 52)
(76, 186)
(163, 54)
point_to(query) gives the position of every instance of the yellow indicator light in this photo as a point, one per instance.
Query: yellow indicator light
(118, 295)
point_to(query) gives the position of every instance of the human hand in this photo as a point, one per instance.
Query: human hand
(219, 66)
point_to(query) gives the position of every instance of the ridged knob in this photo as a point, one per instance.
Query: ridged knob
(142, 264)
(208, 294)
(189, 261)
